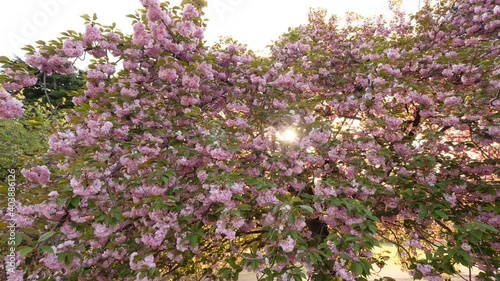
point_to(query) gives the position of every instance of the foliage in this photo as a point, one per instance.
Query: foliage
(26, 137)
(56, 87)
(59, 87)
(183, 161)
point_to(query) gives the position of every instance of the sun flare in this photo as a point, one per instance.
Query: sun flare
(287, 135)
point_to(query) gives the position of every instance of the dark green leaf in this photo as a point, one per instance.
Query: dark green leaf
(46, 236)
(25, 250)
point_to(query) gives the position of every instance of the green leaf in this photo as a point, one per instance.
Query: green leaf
(46, 236)
(47, 249)
(357, 268)
(100, 218)
(18, 240)
(422, 212)
(478, 224)
(366, 267)
(34, 123)
(244, 207)
(4, 59)
(165, 180)
(76, 201)
(307, 208)
(372, 228)
(477, 233)
(232, 262)
(225, 273)
(351, 238)
(193, 239)
(252, 181)
(86, 17)
(25, 250)
(73, 203)
(440, 214)
(69, 258)
(119, 217)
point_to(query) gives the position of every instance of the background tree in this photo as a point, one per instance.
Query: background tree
(27, 137)
(196, 162)
(55, 89)
(24, 138)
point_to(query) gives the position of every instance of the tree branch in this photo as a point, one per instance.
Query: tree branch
(45, 88)
(415, 123)
(241, 255)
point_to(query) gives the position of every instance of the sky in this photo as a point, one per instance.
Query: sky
(255, 23)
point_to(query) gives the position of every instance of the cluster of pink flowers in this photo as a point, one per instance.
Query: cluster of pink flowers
(50, 64)
(220, 196)
(62, 142)
(69, 231)
(72, 48)
(18, 79)
(102, 231)
(225, 230)
(168, 74)
(189, 100)
(131, 93)
(342, 272)
(147, 262)
(86, 190)
(155, 239)
(92, 34)
(141, 37)
(494, 131)
(9, 106)
(40, 174)
(190, 12)
(392, 54)
(288, 244)
(425, 269)
(186, 28)
(191, 82)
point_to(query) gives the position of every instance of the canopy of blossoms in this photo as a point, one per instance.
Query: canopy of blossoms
(174, 162)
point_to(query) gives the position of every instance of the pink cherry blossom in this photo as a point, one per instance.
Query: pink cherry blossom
(168, 74)
(18, 79)
(73, 49)
(191, 82)
(287, 244)
(10, 107)
(466, 247)
(40, 174)
(92, 34)
(190, 12)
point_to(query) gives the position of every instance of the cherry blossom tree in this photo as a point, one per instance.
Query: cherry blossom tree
(184, 161)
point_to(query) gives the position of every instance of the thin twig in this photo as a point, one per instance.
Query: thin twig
(395, 243)
(241, 255)
(45, 88)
